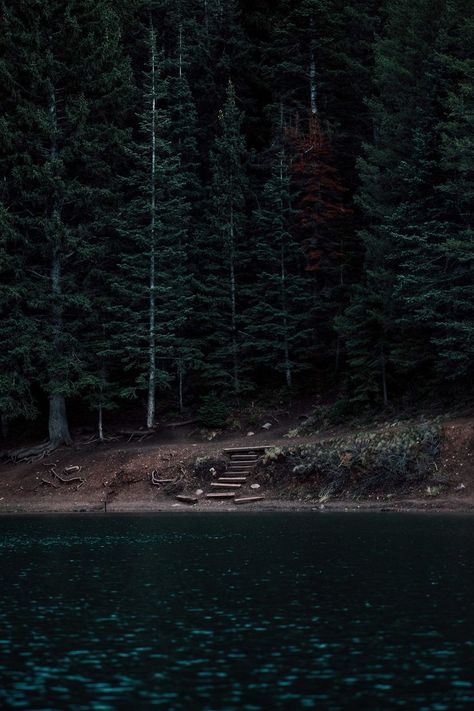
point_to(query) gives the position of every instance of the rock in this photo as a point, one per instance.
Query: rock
(212, 471)
(199, 492)
(267, 426)
(255, 486)
(250, 434)
(460, 487)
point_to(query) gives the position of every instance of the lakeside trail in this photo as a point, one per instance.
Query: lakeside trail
(116, 476)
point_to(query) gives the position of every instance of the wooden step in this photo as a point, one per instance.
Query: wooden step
(248, 500)
(221, 496)
(241, 468)
(233, 479)
(226, 486)
(246, 450)
(244, 457)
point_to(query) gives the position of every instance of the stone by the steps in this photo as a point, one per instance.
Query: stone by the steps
(267, 426)
(250, 434)
(255, 486)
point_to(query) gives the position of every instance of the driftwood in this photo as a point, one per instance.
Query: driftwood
(51, 483)
(158, 482)
(68, 480)
(62, 479)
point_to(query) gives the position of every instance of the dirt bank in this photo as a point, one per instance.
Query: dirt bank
(117, 476)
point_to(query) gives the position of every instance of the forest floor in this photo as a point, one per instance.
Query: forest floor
(116, 475)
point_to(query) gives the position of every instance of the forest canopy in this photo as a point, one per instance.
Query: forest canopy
(206, 197)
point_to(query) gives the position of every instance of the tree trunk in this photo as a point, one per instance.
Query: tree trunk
(180, 385)
(284, 301)
(180, 61)
(384, 379)
(101, 424)
(235, 354)
(150, 420)
(312, 75)
(58, 426)
(4, 421)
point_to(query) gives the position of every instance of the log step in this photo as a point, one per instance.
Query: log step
(226, 486)
(221, 495)
(244, 458)
(246, 450)
(233, 479)
(248, 465)
(248, 500)
(187, 499)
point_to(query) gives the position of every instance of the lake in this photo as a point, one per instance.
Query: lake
(237, 611)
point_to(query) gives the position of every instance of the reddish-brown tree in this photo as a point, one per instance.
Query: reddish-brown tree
(323, 219)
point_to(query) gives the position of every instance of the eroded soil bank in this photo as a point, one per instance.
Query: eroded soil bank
(411, 466)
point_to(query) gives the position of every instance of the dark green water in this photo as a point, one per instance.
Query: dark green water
(245, 612)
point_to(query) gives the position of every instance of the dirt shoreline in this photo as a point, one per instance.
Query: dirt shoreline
(116, 477)
(444, 506)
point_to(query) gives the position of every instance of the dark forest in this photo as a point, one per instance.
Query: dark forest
(206, 200)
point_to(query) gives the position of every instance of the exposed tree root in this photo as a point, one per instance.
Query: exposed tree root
(31, 454)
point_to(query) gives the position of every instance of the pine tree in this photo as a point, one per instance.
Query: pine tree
(397, 198)
(153, 283)
(222, 242)
(452, 299)
(278, 320)
(64, 74)
(17, 331)
(322, 222)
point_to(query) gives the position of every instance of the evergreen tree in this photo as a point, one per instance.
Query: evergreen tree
(278, 319)
(222, 243)
(66, 83)
(17, 330)
(397, 175)
(153, 284)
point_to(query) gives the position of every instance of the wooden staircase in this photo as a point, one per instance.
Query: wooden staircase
(233, 483)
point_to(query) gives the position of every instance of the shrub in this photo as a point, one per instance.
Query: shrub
(213, 412)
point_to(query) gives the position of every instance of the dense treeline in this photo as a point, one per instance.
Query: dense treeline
(204, 196)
